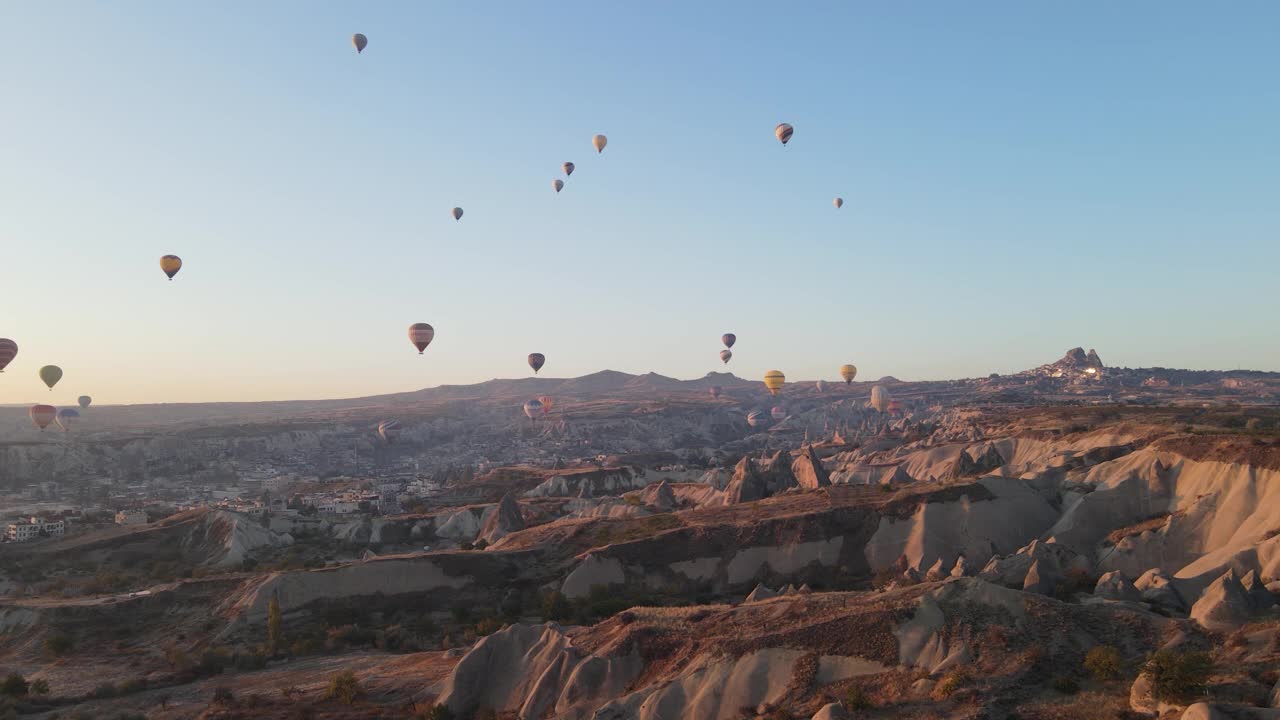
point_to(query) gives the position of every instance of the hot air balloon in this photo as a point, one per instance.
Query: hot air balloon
(536, 361)
(568, 168)
(848, 372)
(822, 386)
(51, 374)
(547, 403)
(728, 339)
(421, 334)
(67, 417)
(42, 415)
(360, 42)
(838, 202)
(880, 398)
(8, 351)
(774, 380)
(558, 184)
(783, 132)
(532, 409)
(457, 213)
(756, 418)
(170, 264)
(84, 401)
(778, 413)
(895, 406)
(598, 142)
(715, 391)
(389, 430)
(726, 356)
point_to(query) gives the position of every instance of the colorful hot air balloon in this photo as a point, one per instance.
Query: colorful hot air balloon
(598, 142)
(84, 401)
(457, 213)
(532, 409)
(558, 184)
(778, 413)
(8, 351)
(838, 202)
(715, 391)
(880, 398)
(547, 403)
(536, 361)
(756, 418)
(51, 374)
(67, 417)
(848, 372)
(822, 386)
(389, 430)
(170, 264)
(895, 407)
(728, 339)
(774, 380)
(784, 132)
(360, 42)
(568, 168)
(726, 356)
(42, 415)
(421, 334)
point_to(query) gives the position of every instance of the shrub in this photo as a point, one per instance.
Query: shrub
(39, 687)
(1176, 675)
(14, 686)
(488, 626)
(856, 698)
(133, 685)
(1103, 662)
(1065, 684)
(434, 712)
(223, 695)
(105, 690)
(555, 606)
(344, 687)
(952, 682)
(58, 644)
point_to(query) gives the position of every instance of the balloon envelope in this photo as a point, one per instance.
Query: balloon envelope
(50, 374)
(848, 372)
(170, 264)
(421, 335)
(756, 418)
(532, 409)
(42, 415)
(838, 202)
(558, 184)
(598, 142)
(568, 168)
(783, 132)
(389, 430)
(536, 361)
(822, 386)
(880, 398)
(457, 213)
(547, 403)
(84, 401)
(726, 356)
(778, 413)
(8, 351)
(360, 42)
(715, 391)
(728, 339)
(67, 418)
(774, 380)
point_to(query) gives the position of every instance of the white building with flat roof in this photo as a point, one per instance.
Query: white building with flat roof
(131, 517)
(31, 529)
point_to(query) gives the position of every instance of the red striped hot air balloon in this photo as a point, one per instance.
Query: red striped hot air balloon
(42, 415)
(8, 351)
(778, 413)
(547, 403)
(421, 334)
(783, 132)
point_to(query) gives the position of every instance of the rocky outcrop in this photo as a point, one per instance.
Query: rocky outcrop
(505, 519)
(1214, 711)
(1037, 567)
(1115, 586)
(1224, 605)
(970, 465)
(660, 497)
(1157, 589)
(592, 571)
(746, 485)
(832, 711)
(808, 470)
(1259, 595)
(760, 593)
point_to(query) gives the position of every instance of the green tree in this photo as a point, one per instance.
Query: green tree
(555, 606)
(275, 631)
(14, 686)
(39, 687)
(1104, 662)
(1178, 676)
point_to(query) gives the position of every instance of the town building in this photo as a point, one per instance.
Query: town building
(31, 529)
(131, 517)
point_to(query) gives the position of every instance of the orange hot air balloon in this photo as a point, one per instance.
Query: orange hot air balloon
(848, 372)
(421, 334)
(170, 264)
(547, 403)
(42, 415)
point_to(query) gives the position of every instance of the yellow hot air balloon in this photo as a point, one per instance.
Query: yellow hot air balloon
(51, 374)
(598, 142)
(848, 372)
(774, 380)
(170, 264)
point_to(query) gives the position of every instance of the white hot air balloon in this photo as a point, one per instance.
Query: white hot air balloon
(598, 142)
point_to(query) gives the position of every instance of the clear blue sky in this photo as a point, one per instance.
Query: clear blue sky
(1019, 178)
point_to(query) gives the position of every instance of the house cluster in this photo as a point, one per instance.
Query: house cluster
(27, 529)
